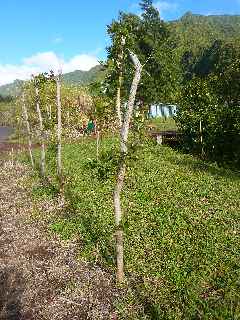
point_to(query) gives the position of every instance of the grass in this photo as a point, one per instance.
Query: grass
(162, 124)
(181, 222)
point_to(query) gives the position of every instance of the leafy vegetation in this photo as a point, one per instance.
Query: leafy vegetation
(210, 96)
(7, 110)
(162, 124)
(181, 221)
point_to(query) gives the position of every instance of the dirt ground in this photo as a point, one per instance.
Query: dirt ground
(9, 146)
(40, 276)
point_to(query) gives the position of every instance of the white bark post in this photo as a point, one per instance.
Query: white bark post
(201, 137)
(97, 144)
(68, 119)
(48, 108)
(124, 130)
(42, 160)
(50, 112)
(118, 98)
(59, 129)
(26, 119)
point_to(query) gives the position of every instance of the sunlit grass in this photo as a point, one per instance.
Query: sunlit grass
(181, 222)
(162, 124)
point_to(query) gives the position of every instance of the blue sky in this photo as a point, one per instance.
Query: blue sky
(35, 35)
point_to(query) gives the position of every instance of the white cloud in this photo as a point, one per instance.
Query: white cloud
(8, 73)
(164, 6)
(43, 62)
(58, 40)
(80, 62)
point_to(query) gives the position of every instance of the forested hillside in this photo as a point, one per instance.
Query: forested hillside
(193, 31)
(188, 36)
(77, 77)
(12, 89)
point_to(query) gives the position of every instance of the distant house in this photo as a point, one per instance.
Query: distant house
(162, 110)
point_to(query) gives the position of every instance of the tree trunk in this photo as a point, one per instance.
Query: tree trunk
(42, 160)
(48, 108)
(118, 102)
(59, 129)
(25, 116)
(97, 144)
(201, 138)
(118, 98)
(50, 112)
(122, 168)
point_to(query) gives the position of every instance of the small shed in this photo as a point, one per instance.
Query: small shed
(162, 110)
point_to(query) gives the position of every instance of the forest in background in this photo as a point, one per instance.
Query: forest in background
(194, 64)
(178, 225)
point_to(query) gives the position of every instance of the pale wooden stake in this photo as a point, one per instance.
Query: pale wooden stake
(120, 77)
(59, 128)
(97, 144)
(201, 137)
(42, 160)
(25, 116)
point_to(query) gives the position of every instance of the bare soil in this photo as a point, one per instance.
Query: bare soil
(40, 275)
(9, 146)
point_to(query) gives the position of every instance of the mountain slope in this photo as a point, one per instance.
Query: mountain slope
(194, 31)
(11, 89)
(83, 77)
(190, 33)
(77, 77)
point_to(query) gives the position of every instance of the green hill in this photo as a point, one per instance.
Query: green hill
(11, 89)
(190, 33)
(83, 77)
(193, 31)
(77, 77)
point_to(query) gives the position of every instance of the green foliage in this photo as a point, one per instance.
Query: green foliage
(144, 35)
(212, 97)
(180, 221)
(12, 89)
(5, 99)
(7, 112)
(103, 110)
(77, 106)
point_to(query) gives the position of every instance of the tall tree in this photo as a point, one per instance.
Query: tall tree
(37, 82)
(146, 35)
(124, 130)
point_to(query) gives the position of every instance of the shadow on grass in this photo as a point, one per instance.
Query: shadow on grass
(11, 290)
(97, 244)
(195, 163)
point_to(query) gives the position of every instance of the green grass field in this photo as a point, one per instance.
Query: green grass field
(181, 222)
(162, 124)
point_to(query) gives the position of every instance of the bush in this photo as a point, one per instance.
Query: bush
(220, 123)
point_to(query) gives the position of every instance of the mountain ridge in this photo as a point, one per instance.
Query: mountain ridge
(191, 32)
(77, 77)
